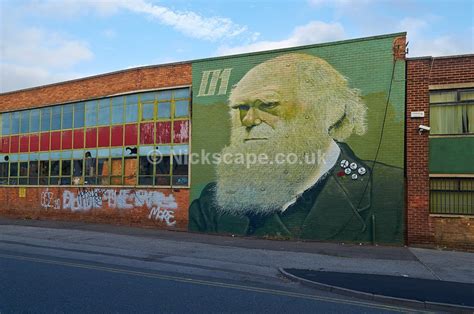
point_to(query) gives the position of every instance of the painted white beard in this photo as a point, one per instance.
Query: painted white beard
(268, 188)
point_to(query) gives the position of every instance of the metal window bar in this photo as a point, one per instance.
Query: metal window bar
(453, 196)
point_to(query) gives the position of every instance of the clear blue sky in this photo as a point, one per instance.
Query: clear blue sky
(54, 40)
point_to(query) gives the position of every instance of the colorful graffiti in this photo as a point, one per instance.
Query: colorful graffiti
(311, 102)
(161, 207)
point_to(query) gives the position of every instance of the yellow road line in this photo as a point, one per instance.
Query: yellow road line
(204, 282)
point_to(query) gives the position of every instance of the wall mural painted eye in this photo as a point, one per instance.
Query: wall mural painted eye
(268, 105)
(243, 107)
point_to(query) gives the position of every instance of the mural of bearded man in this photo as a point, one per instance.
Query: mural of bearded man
(299, 104)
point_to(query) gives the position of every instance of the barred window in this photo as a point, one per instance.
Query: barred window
(452, 196)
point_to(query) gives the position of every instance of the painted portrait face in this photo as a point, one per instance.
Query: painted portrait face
(292, 104)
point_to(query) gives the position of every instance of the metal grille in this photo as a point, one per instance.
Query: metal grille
(452, 196)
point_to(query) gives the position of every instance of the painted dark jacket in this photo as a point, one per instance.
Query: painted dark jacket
(336, 208)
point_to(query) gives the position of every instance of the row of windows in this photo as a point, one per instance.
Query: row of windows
(452, 112)
(115, 166)
(160, 105)
(162, 132)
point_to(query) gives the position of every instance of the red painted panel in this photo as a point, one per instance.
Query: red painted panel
(181, 131)
(56, 140)
(117, 135)
(146, 133)
(163, 132)
(5, 144)
(104, 136)
(67, 139)
(131, 133)
(14, 143)
(24, 142)
(34, 142)
(79, 138)
(91, 138)
(44, 141)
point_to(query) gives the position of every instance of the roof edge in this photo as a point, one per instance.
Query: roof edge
(339, 42)
(467, 55)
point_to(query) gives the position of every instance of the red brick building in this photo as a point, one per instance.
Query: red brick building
(440, 162)
(75, 128)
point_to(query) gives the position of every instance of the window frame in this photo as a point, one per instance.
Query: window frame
(457, 102)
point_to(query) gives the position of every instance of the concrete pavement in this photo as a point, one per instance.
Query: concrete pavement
(216, 256)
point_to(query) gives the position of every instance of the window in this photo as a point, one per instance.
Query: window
(145, 171)
(33, 172)
(43, 172)
(15, 123)
(180, 170)
(147, 111)
(34, 120)
(25, 121)
(117, 110)
(79, 111)
(104, 112)
(5, 124)
(452, 196)
(163, 171)
(56, 118)
(91, 113)
(164, 110)
(67, 117)
(131, 114)
(45, 119)
(3, 170)
(181, 108)
(452, 112)
(100, 142)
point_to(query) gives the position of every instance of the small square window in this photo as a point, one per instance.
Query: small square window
(164, 110)
(148, 111)
(181, 108)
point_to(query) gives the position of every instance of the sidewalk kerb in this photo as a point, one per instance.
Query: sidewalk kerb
(375, 297)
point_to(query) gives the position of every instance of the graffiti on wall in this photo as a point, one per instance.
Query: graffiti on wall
(161, 207)
(298, 105)
(48, 200)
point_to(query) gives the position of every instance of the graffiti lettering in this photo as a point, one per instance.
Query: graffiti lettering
(163, 215)
(162, 207)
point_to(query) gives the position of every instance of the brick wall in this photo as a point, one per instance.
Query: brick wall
(98, 86)
(166, 208)
(421, 227)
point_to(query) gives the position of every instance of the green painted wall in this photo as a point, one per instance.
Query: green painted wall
(369, 67)
(451, 155)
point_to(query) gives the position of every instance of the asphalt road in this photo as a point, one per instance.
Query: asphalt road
(40, 283)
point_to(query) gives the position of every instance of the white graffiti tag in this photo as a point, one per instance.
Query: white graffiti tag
(163, 215)
(162, 207)
(83, 201)
(48, 200)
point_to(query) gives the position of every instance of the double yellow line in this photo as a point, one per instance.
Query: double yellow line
(203, 282)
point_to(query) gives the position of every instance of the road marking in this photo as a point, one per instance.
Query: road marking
(207, 283)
